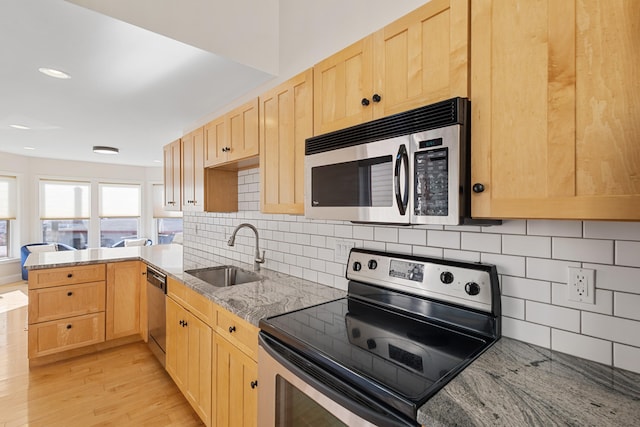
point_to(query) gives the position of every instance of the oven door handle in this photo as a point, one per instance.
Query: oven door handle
(402, 157)
(338, 393)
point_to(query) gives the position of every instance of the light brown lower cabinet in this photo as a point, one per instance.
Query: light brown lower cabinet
(235, 386)
(124, 281)
(189, 345)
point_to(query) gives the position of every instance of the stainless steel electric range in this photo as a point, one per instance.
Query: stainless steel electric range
(407, 327)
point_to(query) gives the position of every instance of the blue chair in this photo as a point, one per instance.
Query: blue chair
(24, 253)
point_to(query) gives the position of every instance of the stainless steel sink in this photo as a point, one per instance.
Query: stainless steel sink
(226, 275)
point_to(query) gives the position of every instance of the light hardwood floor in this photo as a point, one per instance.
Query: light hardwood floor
(123, 386)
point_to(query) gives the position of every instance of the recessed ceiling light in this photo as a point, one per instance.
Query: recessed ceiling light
(157, 161)
(29, 148)
(100, 149)
(54, 73)
(22, 127)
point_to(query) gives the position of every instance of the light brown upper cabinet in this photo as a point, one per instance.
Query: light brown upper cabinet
(172, 183)
(234, 137)
(286, 120)
(193, 171)
(419, 59)
(554, 101)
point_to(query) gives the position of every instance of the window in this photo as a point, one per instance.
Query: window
(8, 202)
(65, 212)
(168, 223)
(119, 212)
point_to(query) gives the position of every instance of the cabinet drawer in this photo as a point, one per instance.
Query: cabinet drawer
(65, 334)
(197, 304)
(66, 301)
(66, 276)
(237, 331)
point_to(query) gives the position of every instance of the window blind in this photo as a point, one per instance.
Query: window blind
(8, 197)
(64, 200)
(119, 200)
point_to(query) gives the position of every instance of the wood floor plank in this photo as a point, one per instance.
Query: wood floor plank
(121, 386)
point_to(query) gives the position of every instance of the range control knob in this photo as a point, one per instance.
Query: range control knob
(357, 266)
(472, 288)
(373, 264)
(446, 277)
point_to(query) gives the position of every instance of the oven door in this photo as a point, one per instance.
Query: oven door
(367, 182)
(293, 391)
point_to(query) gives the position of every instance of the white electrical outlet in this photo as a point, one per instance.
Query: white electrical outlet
(343, 247)
(582, 285)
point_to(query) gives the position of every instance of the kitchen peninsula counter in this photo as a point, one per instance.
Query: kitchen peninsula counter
(512, 384)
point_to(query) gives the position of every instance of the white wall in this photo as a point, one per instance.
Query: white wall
(532, 258)
(30, 169)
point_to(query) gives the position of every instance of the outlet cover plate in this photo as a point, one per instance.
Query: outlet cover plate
(582, 285)
(343, 247)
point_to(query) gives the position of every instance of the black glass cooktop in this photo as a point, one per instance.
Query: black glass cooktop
(408, 357)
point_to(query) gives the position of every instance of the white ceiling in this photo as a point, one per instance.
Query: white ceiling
(130, 88)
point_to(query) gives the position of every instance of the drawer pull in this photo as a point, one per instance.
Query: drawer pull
(232, 329)
(254, 384)
(68, 326)
(69, 293)
(70, 275)
(183, 323)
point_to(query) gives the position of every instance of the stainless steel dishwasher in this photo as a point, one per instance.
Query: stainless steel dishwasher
(157, 307)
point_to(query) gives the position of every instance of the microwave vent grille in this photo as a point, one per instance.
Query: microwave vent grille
(441, 114)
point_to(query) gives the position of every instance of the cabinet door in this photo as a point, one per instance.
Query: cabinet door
(198, 390)
(193, 171)
(236, 386)
(242, 131)
(215, 137)
(286, 120)
(555, 127)
(123, 299)
(422, 57)
(177, 344)
(172, 184)
(340, 83)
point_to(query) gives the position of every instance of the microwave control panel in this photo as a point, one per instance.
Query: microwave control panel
(431, 181)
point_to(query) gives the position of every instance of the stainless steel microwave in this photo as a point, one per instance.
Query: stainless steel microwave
(409, 168)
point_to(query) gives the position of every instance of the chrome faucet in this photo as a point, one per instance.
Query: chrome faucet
(258, 259)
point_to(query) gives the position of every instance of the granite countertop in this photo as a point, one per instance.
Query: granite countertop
(518, 384)
(512, 384)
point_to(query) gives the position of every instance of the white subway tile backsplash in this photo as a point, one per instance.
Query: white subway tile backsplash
(628, 253)
(550, 315)
(626, 357)
(527, 332)
(547, 269)
(579, 345)
(603, 305)
(410, 236)
(612, 230)
(362, 232)
(619, 330)
(506, 264)
(623, 279)
(507, 227)
(462, 255)
(534, 246)
(344, 231)
(532, 257)
(528, 289)
(386, 234)
(443, 239)
(481, 242)
(587, 250)
(554, 228)
(427, 251)
(513, 307)
(627, 306)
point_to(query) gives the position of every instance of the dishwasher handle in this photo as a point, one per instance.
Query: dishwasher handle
(157, 279)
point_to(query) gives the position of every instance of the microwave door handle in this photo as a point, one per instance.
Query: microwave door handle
(402, 157)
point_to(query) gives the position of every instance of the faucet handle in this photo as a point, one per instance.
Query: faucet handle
(260, 259)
